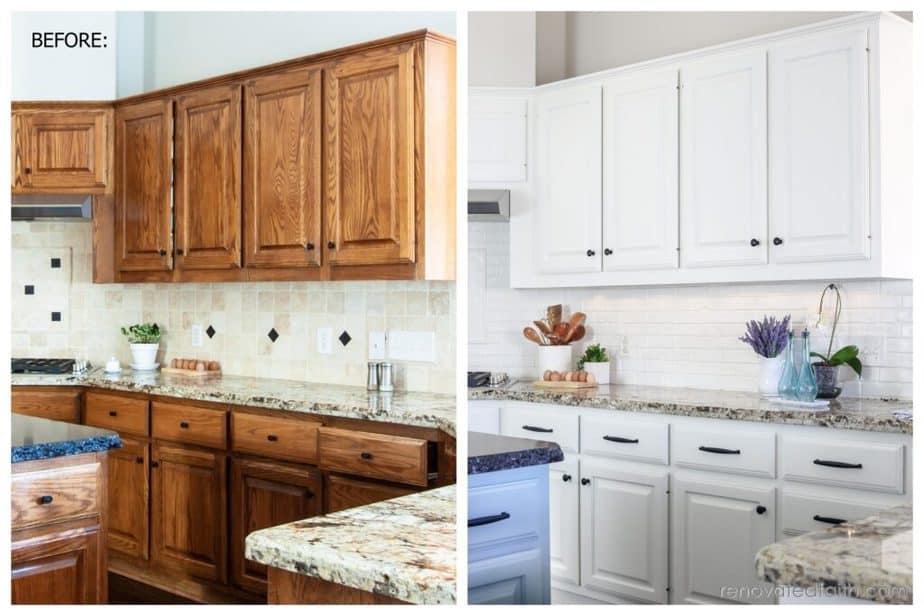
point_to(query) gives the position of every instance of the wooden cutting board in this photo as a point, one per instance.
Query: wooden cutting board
(195, 373)
(563, 384)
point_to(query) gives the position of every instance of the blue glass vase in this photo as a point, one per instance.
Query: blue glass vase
(807, 389)
(789, 380)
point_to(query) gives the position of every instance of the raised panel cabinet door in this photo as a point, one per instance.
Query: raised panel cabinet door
(144, 192)
(188, 511)
(819, 149)
(63, 570)
(370, 136)
(207, 193)
(624, 529)
(265, 494)
(564, 521)
(723, 161)
(282, 170)
(496, 139)
(129, 498)
(568, 208)
(717, 527)
(511, 579)
(64, 149)
(640, 184)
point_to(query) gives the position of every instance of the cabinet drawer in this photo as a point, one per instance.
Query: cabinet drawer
(381, 456)
(507, 512)
(805, 513)
(346, 492)
(543, 424)
(189, 424)
(275, 437)
(739, 451)
(618, 438)
(867, 466)
(54, 494)
(58, 403)
(129, 415)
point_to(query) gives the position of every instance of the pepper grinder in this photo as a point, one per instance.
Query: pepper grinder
(385, 377)
(372, 380)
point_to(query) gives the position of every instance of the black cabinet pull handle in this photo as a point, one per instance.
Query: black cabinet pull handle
(585, 481)
(537, 429)
(112, 413)
(45, 500)
(619, 439)
(827, 520)
(566, 477)
(184, 425)
(719, 450)
(755, 242)
(155, 464)
(488, 519)
(365, 455)
(309, 246)
(331, 245)
(607, 251)
(272, 437)
(590, 252)
(761, 510)
(777, 241)
(836, 464)
(139, 460)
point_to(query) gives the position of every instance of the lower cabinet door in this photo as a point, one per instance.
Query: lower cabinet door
(512, 579)
(129, 498)
(265, 494)
(346, 492)
(564, 521)
(624, 529)
(189, 513)
(716, 531)
(65, 570)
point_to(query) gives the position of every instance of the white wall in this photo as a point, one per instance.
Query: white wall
(130, 55)
(502, 49)
(551, 46)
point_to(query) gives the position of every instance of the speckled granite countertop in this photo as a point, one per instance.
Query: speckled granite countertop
(491, 452)
(34, 438)
(872, 415)
(411, 408)
(403, 548)
(869, 559)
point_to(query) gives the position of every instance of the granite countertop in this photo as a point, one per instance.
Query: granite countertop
(870, 558)
(403, 548)
(34, 438)
(410, 408)
(491, 452)
(869, 414)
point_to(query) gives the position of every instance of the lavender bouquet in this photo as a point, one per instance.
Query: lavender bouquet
(768, 337)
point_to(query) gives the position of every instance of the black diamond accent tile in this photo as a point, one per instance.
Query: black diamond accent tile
(30, 289)
(273, 334)
(344, 338)
(55, 316)
(55, 263)
(210, 332)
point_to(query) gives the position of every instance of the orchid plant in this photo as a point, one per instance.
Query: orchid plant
(768, 337)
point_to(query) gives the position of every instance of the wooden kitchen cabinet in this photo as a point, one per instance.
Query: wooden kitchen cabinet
(189, 511)
(207, 186)
(282, 170)
(144, 172)
(60, 570)
(59, 403)
(129, 498)
(265, 494)
(62, 149)
(347, 492)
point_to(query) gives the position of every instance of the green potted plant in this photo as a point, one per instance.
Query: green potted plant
(596, 362)
(826, 369)
(144, 341)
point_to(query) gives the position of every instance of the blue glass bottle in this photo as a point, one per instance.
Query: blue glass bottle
(808, 387)
(790, 377)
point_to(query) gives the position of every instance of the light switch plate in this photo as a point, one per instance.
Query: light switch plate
(411, 346)
(325, 340)
(197, 335)
(377, 341)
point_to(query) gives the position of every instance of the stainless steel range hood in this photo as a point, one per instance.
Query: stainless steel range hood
(54, 207)
(489, 205)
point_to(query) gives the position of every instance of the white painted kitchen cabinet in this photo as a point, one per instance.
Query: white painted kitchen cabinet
(564, 520)
(568, 140)
(819, 148)
(623, 522)
(511, 579)
(640, 171)
(723, 168)
(718, 526)
(496, 139)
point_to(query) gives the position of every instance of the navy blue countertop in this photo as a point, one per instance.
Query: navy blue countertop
(490, 452)
(34, 438)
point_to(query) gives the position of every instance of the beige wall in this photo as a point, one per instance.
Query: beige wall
(502, 49)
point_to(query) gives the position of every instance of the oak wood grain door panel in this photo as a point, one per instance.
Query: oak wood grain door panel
(347, 492)
(208, 179)
(282, 170)
(59, 403)
(144, 168)
(129, 498)
(369, 133)
(64, 570)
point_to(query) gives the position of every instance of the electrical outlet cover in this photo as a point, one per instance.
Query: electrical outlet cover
(377, 343)
(325, 340)
(197, 335)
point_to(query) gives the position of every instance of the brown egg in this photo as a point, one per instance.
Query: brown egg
(173, 363)
(582, 376)
(570, 376)
(556, 376)
(214, 366)
(189, 364)
(546, 375)
(201, 366)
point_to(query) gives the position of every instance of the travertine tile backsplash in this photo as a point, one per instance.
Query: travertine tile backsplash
(684, 336)
(241, 314)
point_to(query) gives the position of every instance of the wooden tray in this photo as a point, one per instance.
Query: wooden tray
(563, 384)
(194, 373)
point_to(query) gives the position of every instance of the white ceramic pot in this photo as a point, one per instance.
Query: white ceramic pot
(144, 355)
(771, 369)
(600, 370)
(556, 358)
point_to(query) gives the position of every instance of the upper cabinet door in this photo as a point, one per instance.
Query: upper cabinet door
(723, 168)
(640, 207)
(819, 149)
(496, 139)
(282, 170)
(63, 150)
(568, 208)
(143, 170)
(370, 135)
(208, 179)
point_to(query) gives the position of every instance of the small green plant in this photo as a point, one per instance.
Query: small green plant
(142, 333)
(847, 355)
(593, 354)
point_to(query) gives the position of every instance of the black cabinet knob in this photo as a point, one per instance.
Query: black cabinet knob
(566, 477)
(155, 464)
(309, 494)
(163, 252)
(755, 241)
(331, 245)
(777, 241)
(179, 251)
(309, 246)
(272, 437)
(761, 509)
(139, 460)
(607, 251)
(590, 252)
(112, 413)
(28, 169)
(585, 481)
(184, 425)
(365, 455)
(45, 500)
